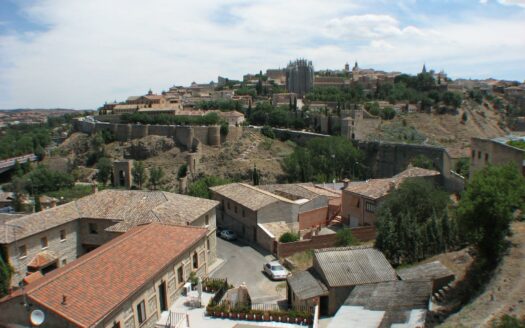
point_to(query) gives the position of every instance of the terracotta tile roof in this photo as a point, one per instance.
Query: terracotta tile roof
(41, 259)
(98, 282)
(374, 188)
(348, 266)
(377, 188)
(249, 196)
(32, 277)
(414, 171)
(129, 207)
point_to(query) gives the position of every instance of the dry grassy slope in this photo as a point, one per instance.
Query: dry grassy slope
(505, 293)
(448, 131)
(232, 160)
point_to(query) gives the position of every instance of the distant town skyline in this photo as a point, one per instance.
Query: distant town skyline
(70, 54)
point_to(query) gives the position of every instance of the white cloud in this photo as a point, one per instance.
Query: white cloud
(98, 50)
(520, 3)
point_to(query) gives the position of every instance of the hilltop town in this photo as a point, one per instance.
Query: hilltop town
(292, 197)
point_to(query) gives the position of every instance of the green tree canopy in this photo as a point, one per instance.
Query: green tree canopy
(200, 188)
(486, 208)
(139, 174)
(104, 167)
(156, 174)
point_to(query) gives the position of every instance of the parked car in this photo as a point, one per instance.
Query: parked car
(228, 234)
(218, 231)
(275, 270)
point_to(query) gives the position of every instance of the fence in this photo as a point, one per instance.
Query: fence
(176, 320)
(363, 234)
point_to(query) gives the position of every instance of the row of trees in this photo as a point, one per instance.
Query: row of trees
(24, 139)
(284, 117)
(141, 176)
(164, 119)
(220, 104)
(417, 220)
(324, 159)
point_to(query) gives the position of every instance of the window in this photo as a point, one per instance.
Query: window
(141, 312)
(473, 153)
(243, 213)
(93, 229)
(370, 207)
(207, 219)
(479, 154)
(116, 324)
(228, 204)
(180, 275)
(195, 260)
(22, 251)
(43, 242)
(62, 235)
(486, 157)
(235, 209)
(208, 244)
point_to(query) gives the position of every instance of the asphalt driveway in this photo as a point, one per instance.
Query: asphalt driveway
(242, 263)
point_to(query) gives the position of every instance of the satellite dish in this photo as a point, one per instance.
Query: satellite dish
(37, 317)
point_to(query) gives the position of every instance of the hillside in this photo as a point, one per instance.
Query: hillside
(232, 160)
(448, 130)
(505, 293)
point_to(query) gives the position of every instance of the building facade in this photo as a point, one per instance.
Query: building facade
(300, 77)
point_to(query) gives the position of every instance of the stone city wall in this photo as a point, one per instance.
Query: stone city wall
(184, 135)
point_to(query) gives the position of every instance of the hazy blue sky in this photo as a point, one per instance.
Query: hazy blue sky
(79, 54)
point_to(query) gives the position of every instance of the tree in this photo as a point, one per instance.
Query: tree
(139, 174)
(38, 205)
(200, 188)
(486, 208)
(183, 171)
(345, 238)
(422, 161)
(256, 176)
(156, 174)
(6, 271)
(104, 167)
(410, 222)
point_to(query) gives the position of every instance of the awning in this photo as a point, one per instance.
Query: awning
(42, 260)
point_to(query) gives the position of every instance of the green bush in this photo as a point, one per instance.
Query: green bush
(268, 132)
(289, 237)
(345, 238)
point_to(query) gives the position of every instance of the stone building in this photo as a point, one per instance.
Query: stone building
(41, 242)
(361, 199)
(495, 152)
(300, 77)
(122, 176)
(127, 282)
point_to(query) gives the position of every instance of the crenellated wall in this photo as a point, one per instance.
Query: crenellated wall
(184, 135)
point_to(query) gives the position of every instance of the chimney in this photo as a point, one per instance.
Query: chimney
(346, 182)
(64, 300)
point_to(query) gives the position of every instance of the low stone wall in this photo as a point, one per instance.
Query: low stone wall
(363, 234)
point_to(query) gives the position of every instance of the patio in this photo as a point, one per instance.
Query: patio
(183, 314)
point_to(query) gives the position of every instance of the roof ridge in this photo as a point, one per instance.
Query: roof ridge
(345, 248)
(267, 193)
(89, 256)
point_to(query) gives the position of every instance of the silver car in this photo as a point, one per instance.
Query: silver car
(275, 270)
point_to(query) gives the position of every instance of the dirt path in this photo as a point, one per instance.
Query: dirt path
(505, 294)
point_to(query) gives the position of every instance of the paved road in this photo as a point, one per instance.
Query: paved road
(241, 264)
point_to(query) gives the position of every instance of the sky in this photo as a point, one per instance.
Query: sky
(80, 54)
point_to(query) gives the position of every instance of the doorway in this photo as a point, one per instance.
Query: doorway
(323, 308)
(163, 301)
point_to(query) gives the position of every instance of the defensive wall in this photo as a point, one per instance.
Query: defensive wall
(188, 136)
(385, 159)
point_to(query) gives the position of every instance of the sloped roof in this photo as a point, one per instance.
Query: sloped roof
(98, 282)
(378, 188)
(430, 271)
(249, 196)
(398, 300)
(349, 266)
(305, 285)
(42, 259)
(129, 207)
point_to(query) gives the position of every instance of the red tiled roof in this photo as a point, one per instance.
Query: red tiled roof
(42, 259)
(33, 277)
(99, 281)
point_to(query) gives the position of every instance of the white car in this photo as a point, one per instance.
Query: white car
(275, 270)
(228, 234)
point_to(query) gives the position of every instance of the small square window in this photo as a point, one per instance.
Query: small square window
(93, 229)
(43, 242)
(63, 234)
(486, 157)
(479, 154)
(141, 312)
(22, 251)
(180, 275)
